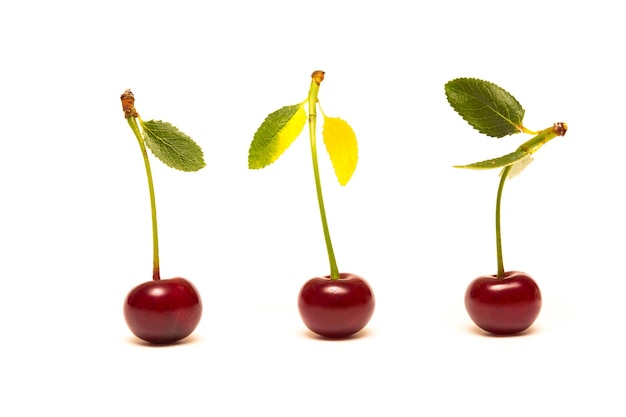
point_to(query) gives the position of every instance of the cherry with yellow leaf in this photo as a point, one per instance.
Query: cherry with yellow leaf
(337, 305)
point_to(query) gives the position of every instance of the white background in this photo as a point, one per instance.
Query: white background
(75, 232)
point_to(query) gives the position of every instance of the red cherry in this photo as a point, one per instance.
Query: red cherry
(503, 306)
(163, 311)
(336, 308)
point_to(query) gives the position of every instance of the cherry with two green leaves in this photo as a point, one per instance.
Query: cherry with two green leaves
(162, 311)
(337, 305)
(508, 302)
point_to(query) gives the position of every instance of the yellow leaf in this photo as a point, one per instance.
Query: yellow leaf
(342, 147)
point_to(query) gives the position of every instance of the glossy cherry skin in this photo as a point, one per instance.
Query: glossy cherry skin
(503, 306)
(163, 311)
(336, 308)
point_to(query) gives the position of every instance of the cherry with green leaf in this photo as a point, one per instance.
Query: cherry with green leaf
(162, 311)
(508, 302)
(337, 305)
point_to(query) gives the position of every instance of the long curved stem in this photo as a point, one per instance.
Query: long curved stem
(527, 148)
(505, 173)
(156, 275)
(318, 76)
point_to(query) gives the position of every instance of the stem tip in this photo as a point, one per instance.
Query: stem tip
(318, 76)
(128, 104)
(560, 128)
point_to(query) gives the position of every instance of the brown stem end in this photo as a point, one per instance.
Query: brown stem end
(560, 128)
(318, 76)
(128, 104)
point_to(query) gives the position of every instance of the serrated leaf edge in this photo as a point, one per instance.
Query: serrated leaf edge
(149, 145)
(519, 127)
(300, 107)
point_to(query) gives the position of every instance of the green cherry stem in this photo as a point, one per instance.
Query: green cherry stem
(526, 149)
(128, 105)
(156, 275)
(317, 78)
(505, 173)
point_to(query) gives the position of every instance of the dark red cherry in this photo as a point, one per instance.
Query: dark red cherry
(503, 306)
(336, 308)
(163, 311)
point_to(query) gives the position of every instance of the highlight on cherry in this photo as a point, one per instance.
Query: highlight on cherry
(339, 304)
(162, 311)
(508, 302)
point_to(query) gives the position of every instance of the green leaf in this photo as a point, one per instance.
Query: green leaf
(174, 148)
(525, 150)
(500, 162)
(485, 106)
(275, 135)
